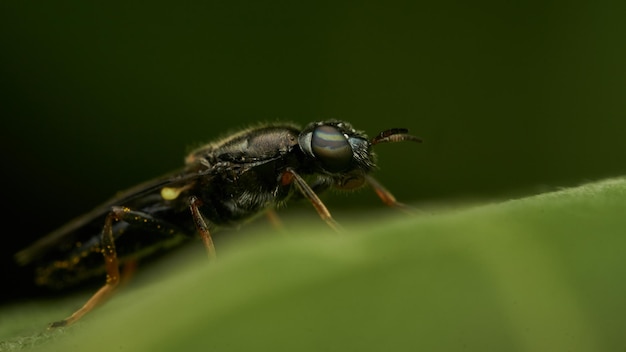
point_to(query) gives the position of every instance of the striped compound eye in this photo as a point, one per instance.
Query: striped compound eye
(331, 148)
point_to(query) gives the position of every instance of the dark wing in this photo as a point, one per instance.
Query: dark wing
(69, 231)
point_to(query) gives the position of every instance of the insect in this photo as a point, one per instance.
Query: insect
(221, 184)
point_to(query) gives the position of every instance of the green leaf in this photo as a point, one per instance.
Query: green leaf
(544, 273)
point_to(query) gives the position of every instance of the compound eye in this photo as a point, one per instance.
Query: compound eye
(331, 147)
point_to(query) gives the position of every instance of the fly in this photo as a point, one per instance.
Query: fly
(222, 183)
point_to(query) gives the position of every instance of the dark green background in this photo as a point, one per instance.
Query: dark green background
(511, 98)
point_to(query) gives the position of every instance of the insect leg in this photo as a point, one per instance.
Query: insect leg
(201, 226)
(107, 244)
(289, 176)
(112, 270)
(274, 219)
(384, 194)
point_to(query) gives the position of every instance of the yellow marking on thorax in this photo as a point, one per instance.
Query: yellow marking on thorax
(171, 193)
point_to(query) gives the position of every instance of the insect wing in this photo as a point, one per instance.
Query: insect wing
(71, 231)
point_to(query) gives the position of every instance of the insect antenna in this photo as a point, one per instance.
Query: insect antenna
(394, 135)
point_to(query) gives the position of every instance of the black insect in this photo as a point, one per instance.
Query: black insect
(222, 183)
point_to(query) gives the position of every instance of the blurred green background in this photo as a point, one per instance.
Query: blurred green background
(511, 98)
